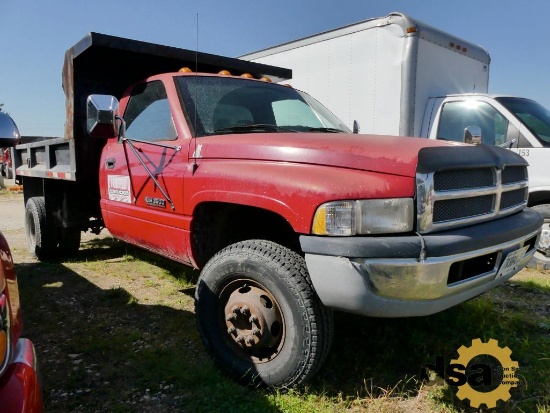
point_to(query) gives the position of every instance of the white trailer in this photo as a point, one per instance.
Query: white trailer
(395, 75)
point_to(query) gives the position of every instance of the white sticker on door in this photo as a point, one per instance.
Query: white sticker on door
(118, 187)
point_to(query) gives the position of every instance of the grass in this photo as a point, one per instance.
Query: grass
(115, 331)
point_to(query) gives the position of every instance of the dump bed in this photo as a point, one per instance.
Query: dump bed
(103, 64)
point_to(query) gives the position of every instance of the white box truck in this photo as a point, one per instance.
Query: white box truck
(394, 75)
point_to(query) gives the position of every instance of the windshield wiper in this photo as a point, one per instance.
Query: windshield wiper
(331, 130)
(253, 127)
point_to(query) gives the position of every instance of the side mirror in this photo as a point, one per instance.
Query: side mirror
(9, 134)
(355, 126)
(472, 134)
(101, 116)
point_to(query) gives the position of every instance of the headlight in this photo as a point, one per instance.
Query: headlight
(373, 216)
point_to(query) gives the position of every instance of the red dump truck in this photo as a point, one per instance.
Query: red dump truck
(19, 382)
(288, 215)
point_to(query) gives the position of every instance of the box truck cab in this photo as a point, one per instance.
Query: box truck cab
(520, 124)
(395, 75)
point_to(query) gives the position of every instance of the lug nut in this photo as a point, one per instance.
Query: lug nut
(240, 338)
(256, 332)
(245, 310)
(236, 309)
(231, 330)
(249, 340)
(253, 318)
(231, 317)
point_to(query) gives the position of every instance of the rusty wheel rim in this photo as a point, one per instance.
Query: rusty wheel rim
(252, 321)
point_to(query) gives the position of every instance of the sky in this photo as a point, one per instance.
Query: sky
(36, 33)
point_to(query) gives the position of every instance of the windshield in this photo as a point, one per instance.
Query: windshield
(218, 105)
(533, 115)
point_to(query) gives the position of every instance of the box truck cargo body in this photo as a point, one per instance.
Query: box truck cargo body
(381, 72)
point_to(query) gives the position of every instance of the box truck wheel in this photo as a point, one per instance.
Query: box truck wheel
(41, 238)
(544, 243)
(259, 317)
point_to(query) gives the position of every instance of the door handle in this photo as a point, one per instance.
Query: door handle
(110, 163)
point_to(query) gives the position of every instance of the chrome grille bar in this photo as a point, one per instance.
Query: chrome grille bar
(436, 209)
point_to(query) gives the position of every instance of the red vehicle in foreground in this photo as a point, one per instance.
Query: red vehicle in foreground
(287, 213)
(19, 385)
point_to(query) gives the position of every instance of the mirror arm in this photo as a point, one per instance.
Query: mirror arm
(122, 128)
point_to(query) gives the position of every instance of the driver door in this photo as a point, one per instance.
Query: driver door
(142, 176)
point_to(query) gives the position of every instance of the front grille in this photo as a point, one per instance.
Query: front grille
(459, 196)
(514, 174)
(463, 179)
(460, 208)
(513, 198)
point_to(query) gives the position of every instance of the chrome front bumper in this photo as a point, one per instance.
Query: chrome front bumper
(412, 286)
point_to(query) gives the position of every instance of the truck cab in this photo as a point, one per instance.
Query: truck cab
(519, 124)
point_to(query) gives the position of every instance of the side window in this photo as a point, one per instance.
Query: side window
(148, 116)
(457, 116)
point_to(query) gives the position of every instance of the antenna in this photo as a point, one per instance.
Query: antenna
(195, 165)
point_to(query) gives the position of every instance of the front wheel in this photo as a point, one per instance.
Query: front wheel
(259, 317)
(544, 242)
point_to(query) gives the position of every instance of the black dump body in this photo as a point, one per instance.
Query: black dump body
(103, 64)
(65, 169)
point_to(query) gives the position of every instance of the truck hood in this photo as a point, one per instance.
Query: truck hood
(385, 154)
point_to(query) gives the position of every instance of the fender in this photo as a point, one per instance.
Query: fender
(292, 190)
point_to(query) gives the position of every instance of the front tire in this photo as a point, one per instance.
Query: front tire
(544, 243)
(259, 317)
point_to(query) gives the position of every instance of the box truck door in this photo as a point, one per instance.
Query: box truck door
(455, 115)
(142, 191)
(499, 126)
